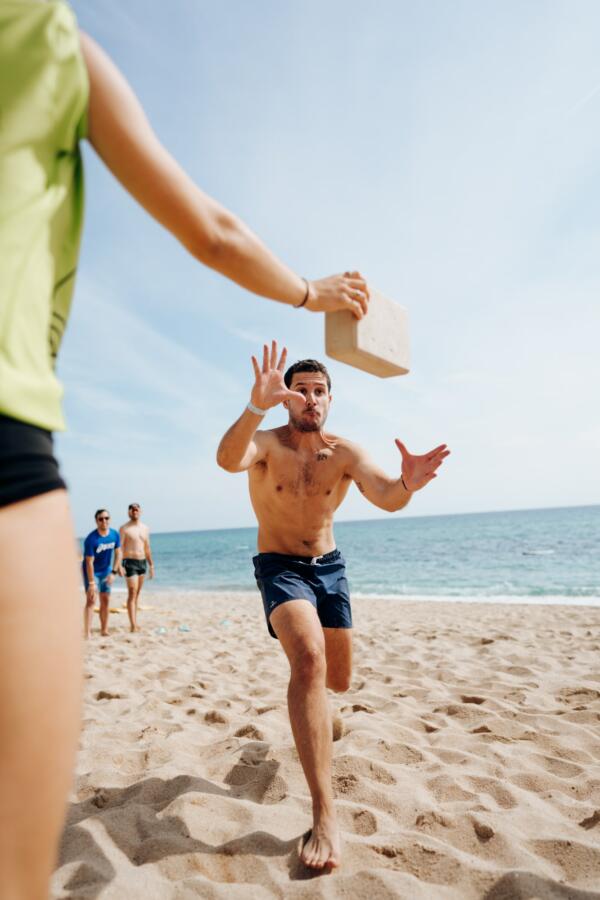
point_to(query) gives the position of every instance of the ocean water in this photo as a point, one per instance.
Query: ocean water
(545, 556)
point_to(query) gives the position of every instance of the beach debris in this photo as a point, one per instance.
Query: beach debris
(161, 630)
(184, 627)
(225, 623)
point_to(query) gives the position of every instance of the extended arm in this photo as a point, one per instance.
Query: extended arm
(379, 489)
(123, 137)
(242, 446)
(393, 494)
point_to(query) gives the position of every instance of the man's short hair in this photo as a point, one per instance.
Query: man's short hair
(306, 365)
(98, 511)
(134, 505)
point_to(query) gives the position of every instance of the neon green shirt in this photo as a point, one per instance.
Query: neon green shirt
(43, 109)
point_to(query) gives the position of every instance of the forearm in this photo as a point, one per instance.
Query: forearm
(89, 569)
(242, 257)
(237, 443)
(395, 496)
(118, 558)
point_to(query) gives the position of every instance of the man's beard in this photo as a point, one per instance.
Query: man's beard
(306, 425)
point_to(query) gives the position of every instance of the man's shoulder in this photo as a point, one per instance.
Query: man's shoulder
(342, 445)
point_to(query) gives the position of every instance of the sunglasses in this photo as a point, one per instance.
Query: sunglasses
(103, 518)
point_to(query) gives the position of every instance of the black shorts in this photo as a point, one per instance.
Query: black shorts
(321, 581)
(27, 463)
(134, 567)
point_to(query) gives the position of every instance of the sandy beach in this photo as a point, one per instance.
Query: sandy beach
(466, 759)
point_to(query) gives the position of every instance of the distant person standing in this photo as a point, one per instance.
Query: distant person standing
(99, 569)
(137, 556)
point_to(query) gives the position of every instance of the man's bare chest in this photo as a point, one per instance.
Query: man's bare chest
(317, 473)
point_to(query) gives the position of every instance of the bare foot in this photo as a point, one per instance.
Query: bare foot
(104, 633)
(87, 635)
(322, 847)
(135, 628)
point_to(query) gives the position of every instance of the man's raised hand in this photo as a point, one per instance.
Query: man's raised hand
(417, 471)
(269, 387)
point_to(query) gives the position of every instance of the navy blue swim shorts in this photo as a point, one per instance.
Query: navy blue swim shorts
(321, 580)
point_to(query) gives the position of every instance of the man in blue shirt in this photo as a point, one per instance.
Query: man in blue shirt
(99, 569)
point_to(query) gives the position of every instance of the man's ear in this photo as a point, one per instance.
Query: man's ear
(286, 404)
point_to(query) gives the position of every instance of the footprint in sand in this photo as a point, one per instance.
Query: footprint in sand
(358, 821)
(214, 717)
(484, 832)
(107, 695)
(351, 766)
(249, 731)
(591, 821)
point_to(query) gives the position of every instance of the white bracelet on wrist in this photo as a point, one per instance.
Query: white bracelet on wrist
(256, 410)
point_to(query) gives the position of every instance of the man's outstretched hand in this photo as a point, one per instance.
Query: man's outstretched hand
(417, 471)
(269, 387)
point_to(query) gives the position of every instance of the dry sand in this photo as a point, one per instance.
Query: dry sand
(468, 764)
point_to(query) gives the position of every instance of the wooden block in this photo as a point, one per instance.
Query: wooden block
(378, 343)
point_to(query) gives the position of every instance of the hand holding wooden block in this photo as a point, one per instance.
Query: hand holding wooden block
(377, 343)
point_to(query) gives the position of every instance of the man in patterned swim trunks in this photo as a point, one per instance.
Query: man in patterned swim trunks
(298, 476)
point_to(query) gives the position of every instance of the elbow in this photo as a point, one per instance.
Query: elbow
(225, 462)
(216, 243)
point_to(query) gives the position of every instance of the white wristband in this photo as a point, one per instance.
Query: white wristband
(256, 410)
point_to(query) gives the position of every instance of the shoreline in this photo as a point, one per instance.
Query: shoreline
(467, 763)
(486, 600)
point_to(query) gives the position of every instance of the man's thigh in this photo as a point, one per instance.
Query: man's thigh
(338, 653)
(132, 582)
(297, 626)
(140, 582)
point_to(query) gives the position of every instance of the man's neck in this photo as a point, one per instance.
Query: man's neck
(305, 440)
(103, 533)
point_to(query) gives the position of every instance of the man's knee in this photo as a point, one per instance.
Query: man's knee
(309, 662)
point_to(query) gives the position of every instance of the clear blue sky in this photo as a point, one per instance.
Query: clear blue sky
(449, 150)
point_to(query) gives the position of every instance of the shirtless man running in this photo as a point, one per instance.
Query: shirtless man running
(298, 476)
(135, 544)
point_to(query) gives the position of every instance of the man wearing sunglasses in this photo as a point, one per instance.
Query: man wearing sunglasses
(99, 569)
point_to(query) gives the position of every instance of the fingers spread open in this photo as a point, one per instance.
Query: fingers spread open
(281, 365)
(265, 367)
(273, 354)
(255, 366)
